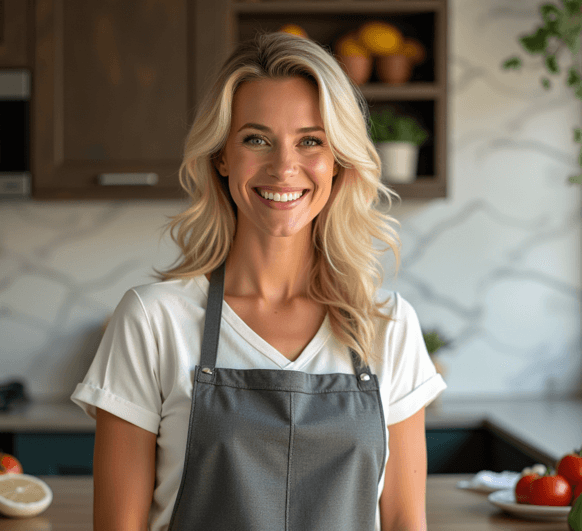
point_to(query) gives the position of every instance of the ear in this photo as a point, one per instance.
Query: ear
(336, 168)
(221, 165)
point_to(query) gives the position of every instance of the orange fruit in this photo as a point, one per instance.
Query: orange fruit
(349, 46)
(22, 495)
(294, 29)
(380, 38)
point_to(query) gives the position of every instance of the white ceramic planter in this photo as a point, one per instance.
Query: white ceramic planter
(399, 161)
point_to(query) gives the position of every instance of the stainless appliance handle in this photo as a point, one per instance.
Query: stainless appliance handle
(128, 179)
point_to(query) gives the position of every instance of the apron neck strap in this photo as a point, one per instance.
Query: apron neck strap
(213, 318)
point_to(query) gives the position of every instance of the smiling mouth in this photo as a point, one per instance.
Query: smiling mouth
(280, 198)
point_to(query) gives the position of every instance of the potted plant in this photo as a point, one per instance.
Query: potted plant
(354, 58)
(561, 31)
(398, 139)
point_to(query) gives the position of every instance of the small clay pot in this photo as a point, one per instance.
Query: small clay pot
(393, 69)
(357, 67)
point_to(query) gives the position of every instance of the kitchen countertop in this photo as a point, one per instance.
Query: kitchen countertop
(447, 508)
(546, 428)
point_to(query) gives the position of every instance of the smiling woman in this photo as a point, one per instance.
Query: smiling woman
(284, 390)
(289, 156)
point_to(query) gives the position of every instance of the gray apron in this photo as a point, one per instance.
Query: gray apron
(276, 450)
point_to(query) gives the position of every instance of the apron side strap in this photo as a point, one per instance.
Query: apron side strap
(213, 317)
(362, 370)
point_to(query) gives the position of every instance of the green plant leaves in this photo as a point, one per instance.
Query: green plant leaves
(550, 13)
(512, 63)
(552, 64)
(572, 7)
(562, 28)
(433, 341)
(386, 126)
(573, 77)
(536, 43)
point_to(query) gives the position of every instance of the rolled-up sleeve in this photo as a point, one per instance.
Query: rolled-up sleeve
(413, 380)
(124, 377)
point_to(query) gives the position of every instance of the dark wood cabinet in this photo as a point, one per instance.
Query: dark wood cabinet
(15, 33)
(115, 88)
(116, 84)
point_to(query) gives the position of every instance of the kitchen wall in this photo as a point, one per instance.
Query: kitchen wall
(495, 266)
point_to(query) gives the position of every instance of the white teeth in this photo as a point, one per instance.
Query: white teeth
(281, 198)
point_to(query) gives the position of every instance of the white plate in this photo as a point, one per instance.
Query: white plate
(505, 499)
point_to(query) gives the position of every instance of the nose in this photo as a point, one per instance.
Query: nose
(283, 162)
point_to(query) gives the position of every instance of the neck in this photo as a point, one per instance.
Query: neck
(275, 269)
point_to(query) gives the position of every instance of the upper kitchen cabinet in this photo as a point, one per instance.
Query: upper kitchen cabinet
(114, 90)
(15, 25)
(423, 96)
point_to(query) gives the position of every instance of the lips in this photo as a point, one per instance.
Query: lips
(282, 195)
(280, 198)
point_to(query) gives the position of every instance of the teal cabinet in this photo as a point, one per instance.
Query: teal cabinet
(449, 451)
(467, 451)
(55, 454)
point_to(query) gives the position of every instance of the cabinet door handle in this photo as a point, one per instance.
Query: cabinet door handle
(128, 179)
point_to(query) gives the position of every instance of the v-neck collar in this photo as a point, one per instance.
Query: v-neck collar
(248, 335)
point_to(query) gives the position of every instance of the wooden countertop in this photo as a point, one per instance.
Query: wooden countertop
(448, 509)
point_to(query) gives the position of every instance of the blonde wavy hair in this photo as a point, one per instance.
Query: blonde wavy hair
(346, 271)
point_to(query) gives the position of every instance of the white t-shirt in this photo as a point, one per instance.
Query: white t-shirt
(143, 369)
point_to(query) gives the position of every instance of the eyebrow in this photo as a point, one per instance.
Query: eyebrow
(261, 127)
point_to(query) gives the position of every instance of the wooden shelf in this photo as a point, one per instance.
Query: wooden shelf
(408, 91)
(424, 96)
(422, 188)
(339, 6)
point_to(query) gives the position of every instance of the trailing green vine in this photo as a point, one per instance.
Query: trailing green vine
(561, 31)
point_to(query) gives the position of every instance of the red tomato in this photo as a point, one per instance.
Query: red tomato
(9, 464)
(570, 467)
(523, 488)
(550, 490)
(577, 492)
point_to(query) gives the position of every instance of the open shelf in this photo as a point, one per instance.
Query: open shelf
(424, 96)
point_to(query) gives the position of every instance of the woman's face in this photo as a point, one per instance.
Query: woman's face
(276, 150)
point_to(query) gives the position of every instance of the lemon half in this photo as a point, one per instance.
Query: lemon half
(22, 495)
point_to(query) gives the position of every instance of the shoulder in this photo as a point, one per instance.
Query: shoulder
(395, 306)
(168, 292)
(165, 298)
(400, 337)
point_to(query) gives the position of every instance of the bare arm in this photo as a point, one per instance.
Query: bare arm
(403, 500)
(124, 469)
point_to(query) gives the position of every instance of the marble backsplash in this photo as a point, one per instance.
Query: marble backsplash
(495, 266)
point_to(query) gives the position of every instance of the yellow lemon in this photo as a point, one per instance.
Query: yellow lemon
(294, 29)
(349, 46)
(380, 38)
(22, 495)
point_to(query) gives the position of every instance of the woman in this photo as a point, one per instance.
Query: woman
(262, 384)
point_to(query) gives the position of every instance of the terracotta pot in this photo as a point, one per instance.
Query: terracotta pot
(393, 69)
(357, 67)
